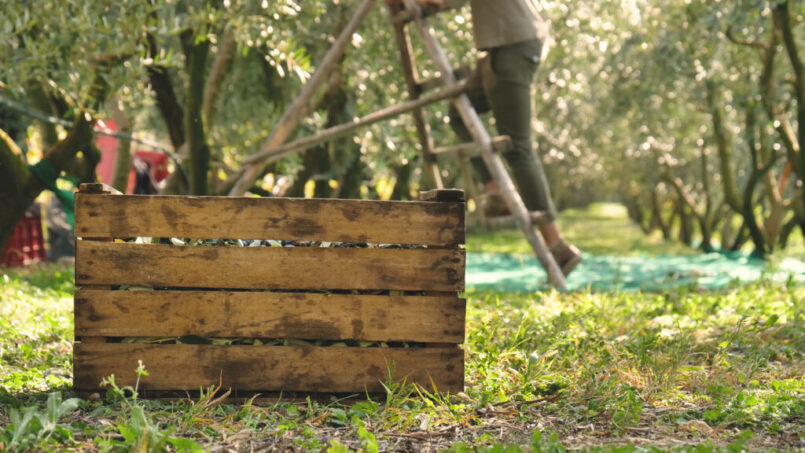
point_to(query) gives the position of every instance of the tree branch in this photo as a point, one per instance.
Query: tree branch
(685, 195)
(62, 153)
(196, 54)
(768, 94)
(220, 69)
(120, 176)
(13, 186)
(167, 102)
(724, 147)
(740, 42)
(38, 96)
(11, 164)
(783, 17)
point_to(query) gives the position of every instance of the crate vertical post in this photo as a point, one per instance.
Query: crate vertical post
(450, 197)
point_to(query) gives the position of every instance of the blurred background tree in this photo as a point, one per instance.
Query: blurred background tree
(686, 111)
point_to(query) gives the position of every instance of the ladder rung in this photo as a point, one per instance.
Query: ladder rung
(461, 73)
(500, 144)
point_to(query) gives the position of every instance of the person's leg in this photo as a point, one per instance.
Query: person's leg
(508, 90)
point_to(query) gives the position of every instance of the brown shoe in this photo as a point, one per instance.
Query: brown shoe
(567, 256)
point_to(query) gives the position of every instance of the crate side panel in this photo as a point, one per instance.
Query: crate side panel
(228, 314)
(267, 368)
(354, 221)
(105, 263)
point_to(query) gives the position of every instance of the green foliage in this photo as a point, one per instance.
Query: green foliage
(139, 431)
(337, 447)
(621, 107)
(44, 47)
(30, 428)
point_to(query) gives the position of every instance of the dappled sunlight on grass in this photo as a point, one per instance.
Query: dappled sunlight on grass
(647, 361)
(36, 327)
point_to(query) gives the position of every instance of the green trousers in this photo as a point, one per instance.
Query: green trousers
(501, 83)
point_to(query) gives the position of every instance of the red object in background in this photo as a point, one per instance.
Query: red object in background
(106, 167)
(158, 167)
(108, 146)
(26, 245)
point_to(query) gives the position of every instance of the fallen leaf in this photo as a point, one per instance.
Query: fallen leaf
(696, 427)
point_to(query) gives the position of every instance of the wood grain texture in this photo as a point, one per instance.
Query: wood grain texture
(103, 263)
(269, 315)
(268, 368)
(390, 222)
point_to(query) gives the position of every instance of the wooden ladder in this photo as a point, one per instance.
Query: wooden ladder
(403, 13)
(408, 12)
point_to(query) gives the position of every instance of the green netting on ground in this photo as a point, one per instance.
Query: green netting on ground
(522, 273)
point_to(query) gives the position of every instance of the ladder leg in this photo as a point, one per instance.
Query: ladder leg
(422, 127)
(492, 159)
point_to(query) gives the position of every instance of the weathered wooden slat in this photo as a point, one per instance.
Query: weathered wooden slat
(163, 266)
(312, 369)
(392, 222)
(269, 315)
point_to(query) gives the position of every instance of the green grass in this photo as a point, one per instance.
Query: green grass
(36, 328)
(680, 370)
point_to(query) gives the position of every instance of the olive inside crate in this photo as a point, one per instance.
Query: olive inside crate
(390, 308)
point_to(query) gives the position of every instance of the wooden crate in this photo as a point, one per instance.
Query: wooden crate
(404, 300)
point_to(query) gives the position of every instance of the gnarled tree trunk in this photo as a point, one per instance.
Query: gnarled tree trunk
(19, 187)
